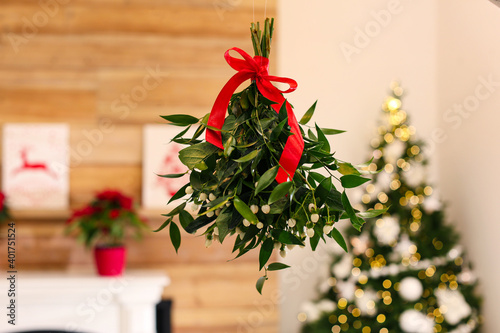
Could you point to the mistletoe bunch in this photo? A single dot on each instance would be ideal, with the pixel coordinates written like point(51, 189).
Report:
point(235, 190)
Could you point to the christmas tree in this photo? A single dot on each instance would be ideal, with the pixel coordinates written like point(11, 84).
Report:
point(405, 271)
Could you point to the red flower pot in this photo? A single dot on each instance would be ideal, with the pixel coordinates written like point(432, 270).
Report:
point(110, 261)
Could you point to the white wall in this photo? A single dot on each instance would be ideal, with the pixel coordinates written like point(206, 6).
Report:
point(469, 157)
point(351, 89)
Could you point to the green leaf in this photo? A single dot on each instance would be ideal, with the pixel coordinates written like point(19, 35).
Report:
point(266, 249)
point(277, 130)
point(339, 239)
point(324, 139)
point(175, 236)
point(317, 176)
point(350, 181)
point(276, 266)
point(347, 169)
point(248, 157)
point(371, 213)
point(244, 210)
point(283, 113)
point(266, 179)
point(286, 238)
point(356, 222)
point(176, 210)
point(260, 284)
point(310, 135)
point(181, 119)
point(222, 222)
point(185, 218)
point(184, 131)
point(198, 223)
point(279, 192)
point(216, 204)
point(163, 225)
point(329, 131)
point(195, 154)
point(179, 194)
point(172, 175)
point(308, 115)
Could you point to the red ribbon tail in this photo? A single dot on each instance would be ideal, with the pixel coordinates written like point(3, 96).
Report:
point(218, 113)
point(292, 152)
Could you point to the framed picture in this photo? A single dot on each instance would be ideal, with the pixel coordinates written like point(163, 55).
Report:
point(35, 166)
point(161, 157)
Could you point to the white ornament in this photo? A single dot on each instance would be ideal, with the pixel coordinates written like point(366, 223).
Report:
point(462, 329)
point(432, 203)
point(383, 183)
point(456, 306)
point(346, 289)
point(326, 306)
point(394, 151)
point(410, 289)
point(413, 321)
point(467, 277)
point(342, 269)
point(415, 176)
point(366, 303)
point(403, 246)
point(311, 310)
point(387, 232)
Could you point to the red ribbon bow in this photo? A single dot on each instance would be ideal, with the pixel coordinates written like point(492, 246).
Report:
point(256, 68)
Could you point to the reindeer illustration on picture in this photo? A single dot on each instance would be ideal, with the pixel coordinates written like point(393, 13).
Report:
point(28, 166)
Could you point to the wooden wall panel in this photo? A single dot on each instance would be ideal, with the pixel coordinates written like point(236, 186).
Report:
point(77, 68)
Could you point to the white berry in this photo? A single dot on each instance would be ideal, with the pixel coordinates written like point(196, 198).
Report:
point(216, 231)
point(260, 225)
point(290, 246)
point(254, 209)
point(246, 223)
point(327, 229)
point(217, 212)
point(283, 254)
point(189, 190)
point(266, 209)
point(311, 207)
point(291, 223)
point(314, 218)
point(212, 197)
point(210, 213)
point(194, 207)
point(238, 231)
point(203, 196)
point(310, 233)
point(208, 242)
point(277, 245)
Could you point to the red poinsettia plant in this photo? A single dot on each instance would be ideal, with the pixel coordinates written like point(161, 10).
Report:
point(106, 220)
point(4, 209)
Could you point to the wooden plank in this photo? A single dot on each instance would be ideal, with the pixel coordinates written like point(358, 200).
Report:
point(85, 181)
point(110, 143)
point(258, 4)
point(88, 52)
point(35, 78)
point(46, 105)
point(224, 18)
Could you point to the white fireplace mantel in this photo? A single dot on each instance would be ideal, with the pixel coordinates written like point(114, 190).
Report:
point(84, 302)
